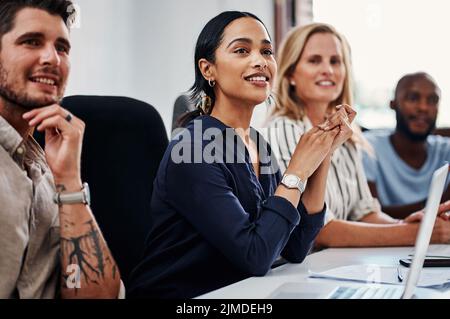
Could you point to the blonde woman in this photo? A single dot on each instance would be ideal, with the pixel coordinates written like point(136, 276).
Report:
point(314, 79)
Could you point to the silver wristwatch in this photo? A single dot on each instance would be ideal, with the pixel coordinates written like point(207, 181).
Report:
point(81, 197)
point(293, 182)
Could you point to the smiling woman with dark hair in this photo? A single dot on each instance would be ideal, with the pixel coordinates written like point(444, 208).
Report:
point(219, 212)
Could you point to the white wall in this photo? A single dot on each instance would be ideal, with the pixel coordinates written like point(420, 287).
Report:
point(390, 39)
point(145, 48)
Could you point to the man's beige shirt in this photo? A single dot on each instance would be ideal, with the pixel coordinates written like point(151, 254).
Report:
point(29, 220)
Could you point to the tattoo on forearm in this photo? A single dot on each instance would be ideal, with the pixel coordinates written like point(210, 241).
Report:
point(98, 251)
point(87, 252)
point(78, 255)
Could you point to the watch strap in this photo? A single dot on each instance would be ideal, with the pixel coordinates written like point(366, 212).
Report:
point(81, 197)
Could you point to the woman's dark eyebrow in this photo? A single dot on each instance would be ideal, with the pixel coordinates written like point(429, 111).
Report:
point(247, 40)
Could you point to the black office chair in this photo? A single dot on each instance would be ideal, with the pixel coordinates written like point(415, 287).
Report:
point(124, 142)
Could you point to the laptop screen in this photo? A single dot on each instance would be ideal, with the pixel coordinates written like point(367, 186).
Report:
point(426, 229)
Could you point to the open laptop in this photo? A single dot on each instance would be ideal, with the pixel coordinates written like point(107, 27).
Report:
point(367, 291)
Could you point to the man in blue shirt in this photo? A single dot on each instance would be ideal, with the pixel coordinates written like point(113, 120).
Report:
point(400, 170)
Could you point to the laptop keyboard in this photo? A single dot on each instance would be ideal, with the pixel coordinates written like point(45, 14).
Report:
point(367, 293)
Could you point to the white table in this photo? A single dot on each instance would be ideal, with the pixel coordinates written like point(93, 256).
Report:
point(263, 287)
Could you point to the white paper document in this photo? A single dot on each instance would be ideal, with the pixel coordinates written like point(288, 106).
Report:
point(436, 277)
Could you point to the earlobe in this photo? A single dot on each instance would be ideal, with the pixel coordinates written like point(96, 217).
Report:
point(393, 105)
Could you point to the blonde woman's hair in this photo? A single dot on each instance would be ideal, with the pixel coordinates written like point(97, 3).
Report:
point(287, 103)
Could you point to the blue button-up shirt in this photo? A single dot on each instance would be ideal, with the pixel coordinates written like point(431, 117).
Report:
point(214, 222)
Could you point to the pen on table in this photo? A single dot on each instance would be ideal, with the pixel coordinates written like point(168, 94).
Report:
point(399, 274)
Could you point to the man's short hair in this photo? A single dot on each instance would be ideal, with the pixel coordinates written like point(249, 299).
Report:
point(10, 8)
point(408, 78)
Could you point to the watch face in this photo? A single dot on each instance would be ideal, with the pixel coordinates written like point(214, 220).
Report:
point(291, 180)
